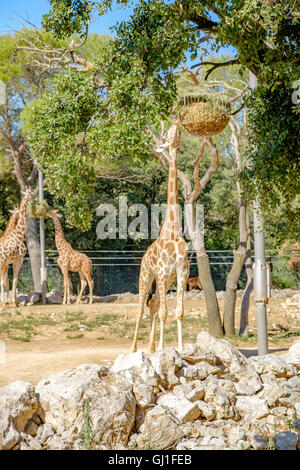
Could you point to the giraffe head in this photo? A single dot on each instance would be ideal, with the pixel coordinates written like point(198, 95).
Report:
point(27, 194)
point(53, 213)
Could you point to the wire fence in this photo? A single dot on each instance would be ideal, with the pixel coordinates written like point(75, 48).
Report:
point(117, 271)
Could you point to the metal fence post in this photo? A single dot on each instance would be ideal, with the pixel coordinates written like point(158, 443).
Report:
point(259, 268)
point(42, 243)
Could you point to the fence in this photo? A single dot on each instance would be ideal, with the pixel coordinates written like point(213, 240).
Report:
point(117, 271)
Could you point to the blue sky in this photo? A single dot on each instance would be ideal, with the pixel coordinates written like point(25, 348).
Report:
point(33, 10)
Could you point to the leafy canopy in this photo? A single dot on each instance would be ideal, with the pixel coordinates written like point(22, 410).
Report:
point(139, 69)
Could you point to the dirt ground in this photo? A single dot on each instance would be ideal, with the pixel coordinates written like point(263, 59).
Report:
point(40, 340)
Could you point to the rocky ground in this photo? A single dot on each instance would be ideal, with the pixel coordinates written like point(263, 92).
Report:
point(210, 396)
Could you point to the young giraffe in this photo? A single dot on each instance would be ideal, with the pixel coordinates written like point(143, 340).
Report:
point(193, 281)
point(71, 260)
point(9, 227)
point(13, 249)
point(165, 258)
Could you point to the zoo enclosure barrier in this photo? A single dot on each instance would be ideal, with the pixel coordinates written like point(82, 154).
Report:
point(117, 271)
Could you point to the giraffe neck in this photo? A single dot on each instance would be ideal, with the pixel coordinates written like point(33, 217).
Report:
point(60, 240)
point(19, 230)
point(10, 225)
point(172, 226)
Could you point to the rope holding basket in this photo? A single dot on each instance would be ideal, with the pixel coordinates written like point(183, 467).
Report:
point(204, 115)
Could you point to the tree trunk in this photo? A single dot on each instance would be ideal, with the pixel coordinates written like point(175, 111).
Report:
point(235, 272)
point(244, 320)
point(33, 246)
point(213, 313)
point(231, 288)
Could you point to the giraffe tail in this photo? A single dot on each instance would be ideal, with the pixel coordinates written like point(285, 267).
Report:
point(151, 293)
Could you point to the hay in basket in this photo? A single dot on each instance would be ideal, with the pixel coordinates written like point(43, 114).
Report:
point(204, 115)
point(37, 208)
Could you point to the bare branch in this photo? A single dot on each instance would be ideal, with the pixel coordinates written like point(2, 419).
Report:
point(216, 65)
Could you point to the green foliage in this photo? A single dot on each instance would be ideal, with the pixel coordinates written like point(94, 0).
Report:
point(158, 38)
point(274, 119)
point(54, 125)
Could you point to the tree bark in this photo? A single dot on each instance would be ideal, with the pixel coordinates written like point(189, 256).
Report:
point(33, 246)
point(244, 319)
point(215, 327)
point(239, 255)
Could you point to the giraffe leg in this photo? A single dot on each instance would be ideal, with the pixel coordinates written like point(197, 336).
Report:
point(88, 275)
point(2, 286)
point(16, 269)
point(162, 312)
point(154, 306)
point(83, 285)
point(66, 286)
point(145, 282)
point(182, 277)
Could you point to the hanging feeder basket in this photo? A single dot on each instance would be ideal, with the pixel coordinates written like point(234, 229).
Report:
point(204, 115)
point(37, 208)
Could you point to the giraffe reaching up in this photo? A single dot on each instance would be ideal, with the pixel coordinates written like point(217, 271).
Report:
point(12, 221)
point(13, 249)
point(71, 260)
point(165, 259)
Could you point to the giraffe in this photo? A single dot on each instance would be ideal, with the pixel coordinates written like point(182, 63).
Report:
point(9, 227)
point(165, 259)
point(13, 249)
point(71, 260)
point(193, 281)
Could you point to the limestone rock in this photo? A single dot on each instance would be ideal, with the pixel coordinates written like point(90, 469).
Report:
point(33, 298)
point(167, 364)
point(54, 297)
point(200, 370)
point(207, 410)
point(235, 361)
point(193, 391)
point(251, 407)
point(194, 353)
point(272, 363)
point(182, 408)
point(68, 397)
point(9, 436)
point(31, 428)
point(44, 432)
point(272, 394)
point(19, 399)
point(136, 367)
point(293, 355)
point(159, 431)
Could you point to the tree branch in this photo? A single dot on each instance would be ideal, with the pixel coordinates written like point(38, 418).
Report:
point(216, 65)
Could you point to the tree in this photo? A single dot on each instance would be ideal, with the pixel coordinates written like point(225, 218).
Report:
point(135, 79)
point(159, 35)
point(23, 81)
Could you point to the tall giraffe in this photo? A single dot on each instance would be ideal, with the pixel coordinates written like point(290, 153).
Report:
point(165, 258)
point(12, 221)
point(13, 249)
point(71, 260)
